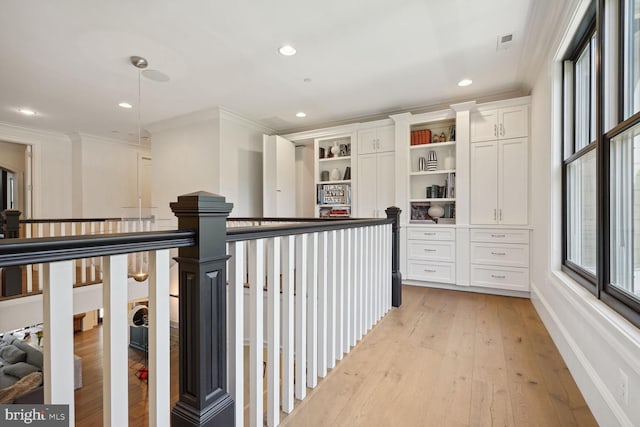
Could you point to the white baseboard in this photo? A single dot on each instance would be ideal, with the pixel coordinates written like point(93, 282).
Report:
point(603, 404)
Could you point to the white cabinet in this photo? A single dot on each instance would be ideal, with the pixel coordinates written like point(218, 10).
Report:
point(499, 182)
point(431, 254)
point(279, 178)
point(376, 184)
point(500, 259)
point(502, 123)
point(376, 140)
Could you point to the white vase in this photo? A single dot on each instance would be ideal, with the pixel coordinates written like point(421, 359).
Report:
point(449, 161)
point(335, 150)
point(436, 211)
point(335, 173)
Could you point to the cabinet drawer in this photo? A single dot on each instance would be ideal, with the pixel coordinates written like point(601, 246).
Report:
point(495, 254)
point(432, 271)
point(516, 279)
point(416, 233)
point(437, 250)
point(499, 235)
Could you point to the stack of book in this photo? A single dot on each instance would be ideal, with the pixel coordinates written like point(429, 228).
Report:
point(419, 137)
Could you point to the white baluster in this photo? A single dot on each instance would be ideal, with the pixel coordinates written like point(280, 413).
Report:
point(273, 332)
point(115, 400)
point(83, 261)
point(323, 282)
point(331, 302)
point(236, 328)
point(378, 272)
point(312, 312)
point(349, 286)
point(159, 339)
point(301, 314)
point(92, 261)
point(340, 285)
point(29, 268)
point(288, 271)
point(362, 301)
point(38, 281)
point(57, 292)
point(256, 334)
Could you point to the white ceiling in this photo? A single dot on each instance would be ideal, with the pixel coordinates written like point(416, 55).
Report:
point(69, 59)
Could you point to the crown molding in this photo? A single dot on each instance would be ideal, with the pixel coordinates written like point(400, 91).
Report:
point(104, 140)
point(24, 135)
point(234, 117)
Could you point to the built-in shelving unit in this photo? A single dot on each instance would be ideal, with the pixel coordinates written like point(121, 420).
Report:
point(432, 171)
point(333, 176)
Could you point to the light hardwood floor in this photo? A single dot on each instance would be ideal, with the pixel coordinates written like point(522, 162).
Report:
point(443, 359)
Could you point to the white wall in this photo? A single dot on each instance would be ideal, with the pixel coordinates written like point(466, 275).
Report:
point(186, 158)
point(109, 177)
point(241, 164)
point(305, 182)
point(595, 342)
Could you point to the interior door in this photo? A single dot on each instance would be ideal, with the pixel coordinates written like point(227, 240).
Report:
point(279, 177)
point(484, 182)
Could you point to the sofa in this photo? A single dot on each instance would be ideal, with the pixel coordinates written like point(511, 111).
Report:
point(20, 372)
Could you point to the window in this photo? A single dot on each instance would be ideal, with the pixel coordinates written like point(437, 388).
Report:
point(601, 171)
point(580, 167)
point(631, 58)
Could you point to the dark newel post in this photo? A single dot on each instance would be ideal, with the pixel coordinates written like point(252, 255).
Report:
point(11, 276)
point(396, 276)
point(203, 400)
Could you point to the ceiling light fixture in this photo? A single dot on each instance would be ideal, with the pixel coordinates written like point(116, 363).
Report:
point(465, 82)
point(287, 50)
point(125, 105)
point(26, 112)
point(301, 114)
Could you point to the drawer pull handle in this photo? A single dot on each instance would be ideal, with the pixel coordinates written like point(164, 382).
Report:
point(498, 253)
point(496, 276)
point(498, 235)
point(429, 234)
point(429, 250)
point(429, 271)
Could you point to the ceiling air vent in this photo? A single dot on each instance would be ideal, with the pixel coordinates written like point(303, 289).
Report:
point(505, 41)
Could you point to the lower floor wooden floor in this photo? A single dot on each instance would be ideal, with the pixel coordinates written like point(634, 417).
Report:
point(443, 359)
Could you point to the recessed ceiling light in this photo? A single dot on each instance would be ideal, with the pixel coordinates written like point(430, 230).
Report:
point(301, 114)
point(464, 82)
point(125, 105)
point(26, 112)
point(287, 50)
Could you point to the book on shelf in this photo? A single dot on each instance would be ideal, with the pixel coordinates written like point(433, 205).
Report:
point(420, 137)
point(335, 212)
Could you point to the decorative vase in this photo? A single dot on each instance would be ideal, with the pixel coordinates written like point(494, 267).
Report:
point(324, 176)
point(432, 161)
point(335, 174)
point(449, 161)
point(436, 211)
point(335, 150)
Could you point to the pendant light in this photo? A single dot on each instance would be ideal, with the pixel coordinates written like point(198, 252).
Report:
point(139, 269)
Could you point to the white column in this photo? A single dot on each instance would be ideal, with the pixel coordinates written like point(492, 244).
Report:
point(273, 332)
point(301, 315)
point(288, 271)
point(236, 328)
point(256, 334)
point(323, 282)
point(57, 299)
point(312, 311)
point(159, 339)
point(115, 364)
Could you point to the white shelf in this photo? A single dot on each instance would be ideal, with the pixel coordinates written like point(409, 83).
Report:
point(433, 145)
point(338, 205)
point(438, 172)
point(343, 181)
point(334, 159)
point(440, 199)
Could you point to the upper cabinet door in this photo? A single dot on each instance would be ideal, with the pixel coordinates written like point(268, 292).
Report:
point(484, 125)
point(513, 122)
point(386, 136)
point(367, 141)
